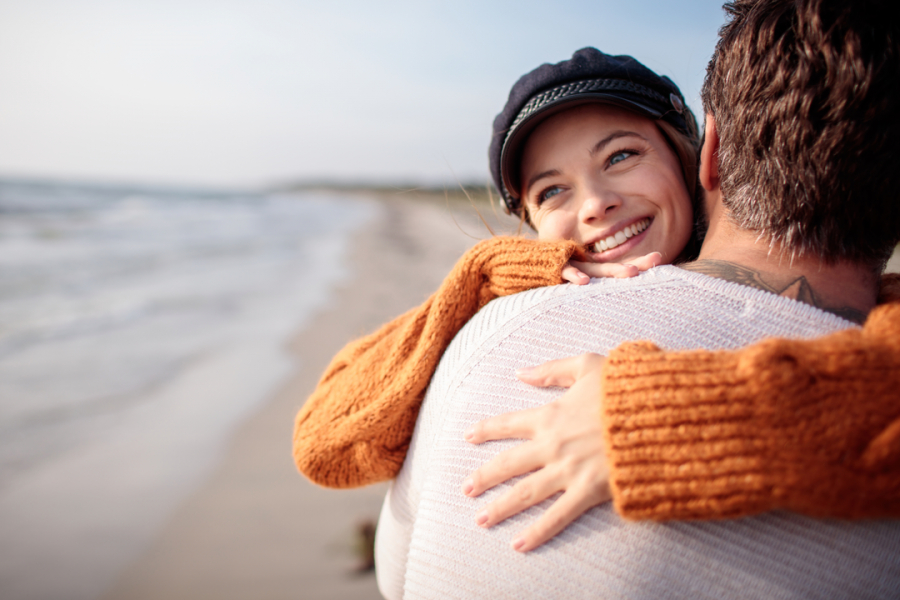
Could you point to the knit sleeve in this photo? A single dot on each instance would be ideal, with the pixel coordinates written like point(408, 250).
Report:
point(356, 426)
point(811, 426)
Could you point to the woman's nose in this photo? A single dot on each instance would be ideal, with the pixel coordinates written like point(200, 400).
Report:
point(598, 204)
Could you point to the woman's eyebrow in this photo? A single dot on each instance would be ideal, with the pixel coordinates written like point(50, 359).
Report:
point(614, 135)
point(531, 182)
point(596, 149)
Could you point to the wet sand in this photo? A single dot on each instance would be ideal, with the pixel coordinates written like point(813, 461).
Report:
point(256, 528)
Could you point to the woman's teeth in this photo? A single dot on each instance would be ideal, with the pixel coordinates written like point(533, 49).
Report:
point(620, 236)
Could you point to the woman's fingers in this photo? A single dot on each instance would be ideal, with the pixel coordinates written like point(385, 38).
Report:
point(562, 372)
point(568, 507)
point(571, 274)
point(648, 261)
point(592, 269)
point(565, 451)
point(578, 272)
point(518, 425)
point(506, 465)
point(524, 494)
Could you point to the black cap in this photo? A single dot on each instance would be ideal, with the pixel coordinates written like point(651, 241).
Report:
point(589, 76)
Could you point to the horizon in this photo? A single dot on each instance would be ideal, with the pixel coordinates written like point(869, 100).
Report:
point(246, 95)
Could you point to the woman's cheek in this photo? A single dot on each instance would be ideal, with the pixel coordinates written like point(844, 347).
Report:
point(552, 226)
point(681, 226)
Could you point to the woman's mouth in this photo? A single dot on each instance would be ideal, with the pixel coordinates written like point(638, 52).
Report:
point(621, 236)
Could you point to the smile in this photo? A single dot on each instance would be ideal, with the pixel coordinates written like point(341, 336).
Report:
point(620, 237)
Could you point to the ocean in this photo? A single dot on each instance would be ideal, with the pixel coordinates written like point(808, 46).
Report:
point(138, 327)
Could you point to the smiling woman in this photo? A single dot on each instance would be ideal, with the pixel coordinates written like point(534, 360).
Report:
point(607, 179)
point(607, 148)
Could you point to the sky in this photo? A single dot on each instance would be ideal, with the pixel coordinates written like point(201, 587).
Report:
point(257, 93)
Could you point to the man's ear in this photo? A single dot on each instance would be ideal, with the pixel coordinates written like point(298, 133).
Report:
point(709, 156)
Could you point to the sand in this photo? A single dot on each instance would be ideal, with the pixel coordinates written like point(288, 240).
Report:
point(256, 528)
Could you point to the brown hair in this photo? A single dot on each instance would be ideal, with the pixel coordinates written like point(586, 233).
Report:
point(806, 98)
point(687, 151)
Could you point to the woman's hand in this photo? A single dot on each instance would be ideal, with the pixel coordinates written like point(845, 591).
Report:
point(565, 452)
point(580, 272)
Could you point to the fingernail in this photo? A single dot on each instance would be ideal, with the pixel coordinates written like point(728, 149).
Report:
point(518, 543)
point(469, 434)
point(524, 371)
point(468, 486)
point(481, 518)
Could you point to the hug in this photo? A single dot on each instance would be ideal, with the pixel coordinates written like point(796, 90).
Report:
point(735, 287)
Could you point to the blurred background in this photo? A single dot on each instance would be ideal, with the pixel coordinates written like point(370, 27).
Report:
point(200, 202)
point(259, 93)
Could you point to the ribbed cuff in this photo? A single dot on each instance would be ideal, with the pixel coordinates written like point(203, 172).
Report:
point(519, 264)
point(680, 445)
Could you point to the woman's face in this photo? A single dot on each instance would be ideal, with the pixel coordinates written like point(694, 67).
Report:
point(606, 178)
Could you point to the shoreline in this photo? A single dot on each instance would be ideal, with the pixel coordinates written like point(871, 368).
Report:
point(140, 333)
point(255, 527)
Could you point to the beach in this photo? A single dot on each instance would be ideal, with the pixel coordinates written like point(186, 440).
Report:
point(155, 345)
point(255, 528)
point(153, 459)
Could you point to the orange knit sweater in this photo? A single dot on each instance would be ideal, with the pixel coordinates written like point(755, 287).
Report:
point(356, 426)
point(812, 426)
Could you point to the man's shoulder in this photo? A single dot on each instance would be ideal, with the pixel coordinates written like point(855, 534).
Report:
point(500, 318)
point(667, 285)
point(514, 306)
point(664, 304)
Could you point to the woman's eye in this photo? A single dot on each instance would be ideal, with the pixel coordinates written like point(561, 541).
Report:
point(548, 193)
point(620, 156)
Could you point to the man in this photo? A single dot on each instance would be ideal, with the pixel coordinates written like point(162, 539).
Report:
point(801, 138)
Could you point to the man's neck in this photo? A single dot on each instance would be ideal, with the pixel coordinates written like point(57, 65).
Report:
point(846, 289)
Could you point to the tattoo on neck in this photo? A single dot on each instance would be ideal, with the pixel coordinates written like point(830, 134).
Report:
point(797, 288)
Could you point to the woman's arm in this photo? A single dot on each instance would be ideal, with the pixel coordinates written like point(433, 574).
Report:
point(356, 426)
point(810, 426)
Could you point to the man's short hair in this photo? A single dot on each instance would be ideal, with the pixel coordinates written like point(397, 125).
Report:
point(806, 97)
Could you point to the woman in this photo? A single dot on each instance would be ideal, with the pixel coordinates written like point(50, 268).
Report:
point(843, 387)
point(632, 139)
point(356, 427)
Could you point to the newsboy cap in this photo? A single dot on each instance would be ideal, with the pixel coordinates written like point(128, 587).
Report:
point(589, 76)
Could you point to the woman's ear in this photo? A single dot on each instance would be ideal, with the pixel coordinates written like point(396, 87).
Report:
point(709, 156)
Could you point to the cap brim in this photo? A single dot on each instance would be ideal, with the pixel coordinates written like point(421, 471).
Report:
point(512, 147)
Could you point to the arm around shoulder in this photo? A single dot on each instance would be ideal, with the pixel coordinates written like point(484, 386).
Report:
point(356, 426)
point(811, 426)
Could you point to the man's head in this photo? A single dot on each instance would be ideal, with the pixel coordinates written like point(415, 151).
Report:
point(805, 95)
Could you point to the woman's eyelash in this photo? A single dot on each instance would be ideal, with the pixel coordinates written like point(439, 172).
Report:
point(627, 151)
point(548, 193)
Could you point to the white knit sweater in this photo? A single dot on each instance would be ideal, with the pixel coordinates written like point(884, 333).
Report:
point(428, 545)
